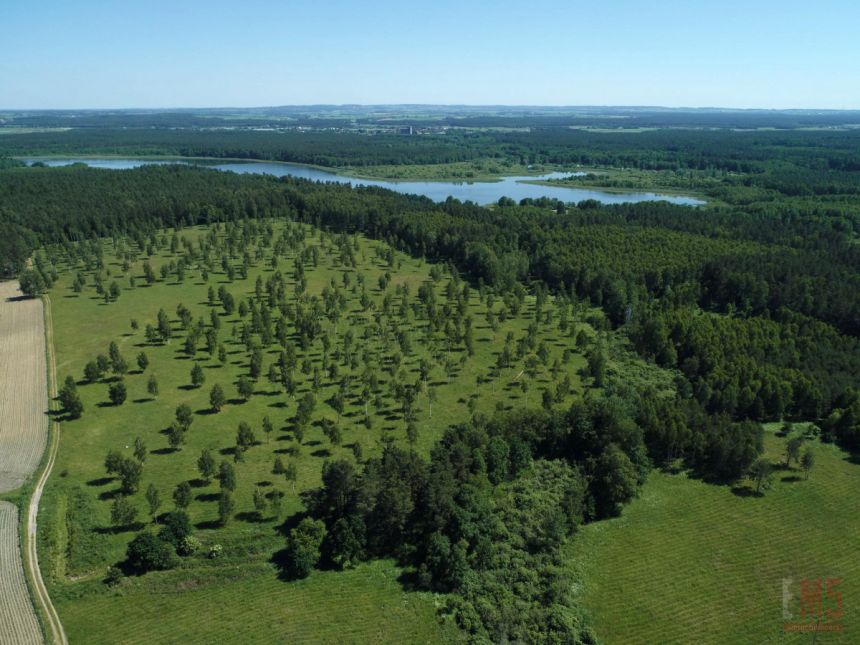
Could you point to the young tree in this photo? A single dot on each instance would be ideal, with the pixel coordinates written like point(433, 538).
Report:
point(206, 465)
point(92, 373)
point(807, 462)
point(303, 547)
point(217, 399)
point(268, 427)
point(122, 512)
point(260, 502)
point(245, 436)
point(175, 435)
point(792, 450)
point(153, 499)
point(182, 495)
point(275, 498)
point(197, 375)
point(117, 393)
point(278, 467)
point(139, 449)
point(70, 399)
point(184, 415)
point(152, 386)
point(227, 476)
point(142, 361)
point(762, 474)
point(129, 472)
point(245, 387)
point(291, 474)
point(225, 507)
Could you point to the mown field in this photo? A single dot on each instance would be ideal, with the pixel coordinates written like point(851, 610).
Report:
point(241, 596)
point(692, 562)
point(23, 388)
point(18, 623)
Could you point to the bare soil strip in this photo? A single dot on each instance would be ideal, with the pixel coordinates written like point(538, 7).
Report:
point(18, 623)
point(23, 387)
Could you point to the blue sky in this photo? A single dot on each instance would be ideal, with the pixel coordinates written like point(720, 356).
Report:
point(128, 53)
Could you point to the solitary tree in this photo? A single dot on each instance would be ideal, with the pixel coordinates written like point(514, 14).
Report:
point(117, 393)
point(227, 476)
point(807, 461)
point(152, 386)
point(122, 512)
point(260, 502)
point(244, 436)
point(153, 499)
point(175, 435)
point(142, 361)
point(182, 495)
point(206, 465)
point(197, 375)
point(291, 474)
point(268, 428)
point(139, 449)
point(184, 415)
point(792, 450)
point(225, 507)
point(762, 474)
point(217, 399)
point(245, 387)
point(70, 399)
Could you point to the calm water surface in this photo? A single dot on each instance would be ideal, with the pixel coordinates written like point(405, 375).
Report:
point(479, 192)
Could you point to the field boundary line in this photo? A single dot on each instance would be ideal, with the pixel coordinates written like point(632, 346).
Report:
point(31, 556)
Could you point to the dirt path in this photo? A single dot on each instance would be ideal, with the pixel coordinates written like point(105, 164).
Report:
point(54, 626)
point(26, 354)
point(23, 387)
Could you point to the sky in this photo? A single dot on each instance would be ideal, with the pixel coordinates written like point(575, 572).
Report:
point(193, 53)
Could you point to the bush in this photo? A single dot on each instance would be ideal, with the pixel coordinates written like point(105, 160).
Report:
point(146, 552)
point(303, 547)
point(177, 527)
point(189, 545)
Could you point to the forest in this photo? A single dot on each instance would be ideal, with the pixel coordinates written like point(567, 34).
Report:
point(749, 307)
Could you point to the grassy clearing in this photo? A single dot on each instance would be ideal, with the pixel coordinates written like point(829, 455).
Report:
point(693, 562)
point(477, 170)
point(240, 597)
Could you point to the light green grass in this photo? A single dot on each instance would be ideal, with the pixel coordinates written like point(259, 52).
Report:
point(689, 562)
point(239, 597)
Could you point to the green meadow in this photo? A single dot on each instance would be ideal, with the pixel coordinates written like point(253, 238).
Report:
point(242, 596)
point(693, 562)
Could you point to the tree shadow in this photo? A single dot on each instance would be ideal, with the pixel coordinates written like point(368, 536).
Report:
point(144, 400)
point(745, 491)
point(208, 524)
point(198, 483)
point(322, 452)
point(115, 530)
point(101, 481)
point(164, 451)
point(207, 497)
point(791, 478)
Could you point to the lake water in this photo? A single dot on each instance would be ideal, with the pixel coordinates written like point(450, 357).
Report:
point(480, 192)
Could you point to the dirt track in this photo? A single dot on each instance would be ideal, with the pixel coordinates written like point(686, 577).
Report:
point(23, 386)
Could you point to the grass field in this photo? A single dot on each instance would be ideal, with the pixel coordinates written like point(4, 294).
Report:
point(240, 597)
point(692, 562)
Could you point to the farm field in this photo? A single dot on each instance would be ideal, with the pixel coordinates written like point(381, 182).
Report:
point(691, 562)
point(23, 388)
point(370, 341)
point(18, 623)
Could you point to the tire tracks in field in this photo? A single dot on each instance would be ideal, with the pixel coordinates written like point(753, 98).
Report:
point(56, 634)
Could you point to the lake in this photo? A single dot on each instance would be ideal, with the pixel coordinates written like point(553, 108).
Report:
point(479, 192)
